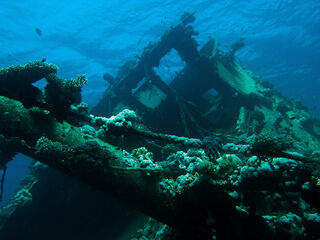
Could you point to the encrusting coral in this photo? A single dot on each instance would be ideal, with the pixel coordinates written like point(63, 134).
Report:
point(61, 94)
point(16, 81)
point(209, 162)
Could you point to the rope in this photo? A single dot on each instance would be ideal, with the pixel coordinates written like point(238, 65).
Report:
point(4, 169)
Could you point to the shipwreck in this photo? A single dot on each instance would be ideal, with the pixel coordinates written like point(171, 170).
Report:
point(216, 153)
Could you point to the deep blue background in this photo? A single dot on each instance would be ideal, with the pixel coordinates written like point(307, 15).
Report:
point(93, 37)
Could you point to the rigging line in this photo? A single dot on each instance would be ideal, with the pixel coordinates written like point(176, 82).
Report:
point(4, 169)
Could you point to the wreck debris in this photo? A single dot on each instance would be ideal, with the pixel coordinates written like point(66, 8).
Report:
point(21, 199)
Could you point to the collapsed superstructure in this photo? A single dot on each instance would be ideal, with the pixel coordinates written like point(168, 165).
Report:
point(247, 166)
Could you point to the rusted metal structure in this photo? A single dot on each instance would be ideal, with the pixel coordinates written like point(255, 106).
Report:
point(186, 106)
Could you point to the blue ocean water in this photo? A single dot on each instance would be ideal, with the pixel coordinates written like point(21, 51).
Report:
point(282, 37)
point(93, 37)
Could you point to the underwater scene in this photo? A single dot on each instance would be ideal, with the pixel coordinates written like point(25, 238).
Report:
point(159, 120)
